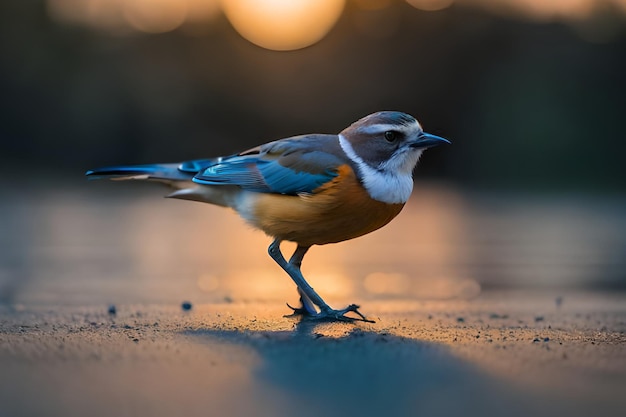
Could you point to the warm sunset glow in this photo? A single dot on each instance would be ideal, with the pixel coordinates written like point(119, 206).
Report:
point(208, 283)
point(430, 5)
point(381, 283)
point(283, 24)
point(260, 285)
point(332, 283)
point(444, 288)
point(292, 24)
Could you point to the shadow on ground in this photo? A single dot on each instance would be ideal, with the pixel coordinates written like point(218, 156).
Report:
point(339, 369)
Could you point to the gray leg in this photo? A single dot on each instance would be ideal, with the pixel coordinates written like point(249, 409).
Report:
point(308, 306)
point(293, 269)
point(308, 294)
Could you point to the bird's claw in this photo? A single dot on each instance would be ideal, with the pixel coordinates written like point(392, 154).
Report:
point(330, 314)
point(298, 311)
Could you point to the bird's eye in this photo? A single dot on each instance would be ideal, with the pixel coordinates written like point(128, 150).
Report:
point(390, 136)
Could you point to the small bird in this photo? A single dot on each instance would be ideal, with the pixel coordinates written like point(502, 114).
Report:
point(311, 189)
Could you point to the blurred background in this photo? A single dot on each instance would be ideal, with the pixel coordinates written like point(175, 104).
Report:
point(531, 93)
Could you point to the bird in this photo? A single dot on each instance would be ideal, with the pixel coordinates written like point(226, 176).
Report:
point(312, 189)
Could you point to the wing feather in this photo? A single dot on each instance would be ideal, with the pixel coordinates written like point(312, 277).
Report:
point(288, 166)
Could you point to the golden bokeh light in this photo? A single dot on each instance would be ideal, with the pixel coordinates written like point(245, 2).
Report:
point(283, 25)
point(430, 5)
point(293, 24)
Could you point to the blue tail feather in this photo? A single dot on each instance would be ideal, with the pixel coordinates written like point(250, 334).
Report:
point(167, 172)
point(184, 171)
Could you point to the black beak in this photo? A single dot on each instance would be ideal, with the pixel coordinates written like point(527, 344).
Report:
point(426, 140)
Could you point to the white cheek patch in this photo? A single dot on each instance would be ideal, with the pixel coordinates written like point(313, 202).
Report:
point(402, 164)
point(388, 184)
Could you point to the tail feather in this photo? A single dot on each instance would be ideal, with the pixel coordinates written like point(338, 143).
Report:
point(176, 175)
point(158, 172)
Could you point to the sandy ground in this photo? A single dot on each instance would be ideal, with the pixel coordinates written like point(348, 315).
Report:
point(501, 354)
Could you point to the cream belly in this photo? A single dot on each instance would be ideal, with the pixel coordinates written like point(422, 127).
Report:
point(337, 211)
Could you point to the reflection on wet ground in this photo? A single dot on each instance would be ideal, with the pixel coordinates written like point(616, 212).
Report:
point(103, 243)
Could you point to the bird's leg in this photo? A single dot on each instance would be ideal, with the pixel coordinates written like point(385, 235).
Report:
point(293, 269)
point(309, 297)
point(308, 307)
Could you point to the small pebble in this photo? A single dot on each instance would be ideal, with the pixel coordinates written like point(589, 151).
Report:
point(460, 319)
point(112, 310)
point(538, 318)
point(186, 305)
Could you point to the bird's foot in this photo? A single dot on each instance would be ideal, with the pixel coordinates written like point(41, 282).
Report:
point(330, 314)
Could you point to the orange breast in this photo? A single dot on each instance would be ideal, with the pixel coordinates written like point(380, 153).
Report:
point(339, 210)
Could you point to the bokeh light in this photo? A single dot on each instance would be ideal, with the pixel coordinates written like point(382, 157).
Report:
point(99, 14)
point(283, 24)
point(559, 10)
point(125, 16)
point(155, 16)
point(430, 5)
point(293, 24)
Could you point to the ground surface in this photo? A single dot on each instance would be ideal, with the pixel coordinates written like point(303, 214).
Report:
point(503, 353)
point(446, 342)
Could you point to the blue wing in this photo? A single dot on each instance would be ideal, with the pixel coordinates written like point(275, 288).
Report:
point(288, 166)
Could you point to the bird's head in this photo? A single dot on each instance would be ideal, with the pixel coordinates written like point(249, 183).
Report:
point(390, 142)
